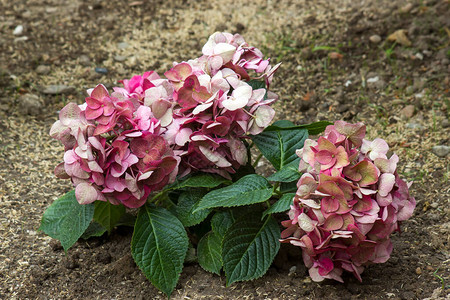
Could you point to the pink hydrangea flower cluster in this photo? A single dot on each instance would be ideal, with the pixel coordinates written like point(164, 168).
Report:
point(121, 146)
point(114, 150)
point(210, 106)
point(349, 200)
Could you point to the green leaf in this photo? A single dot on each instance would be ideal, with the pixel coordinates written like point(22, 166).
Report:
point(66, 220)
point(127, 220)
point(313, 128)
point(279, 146)
point(209, 251)
point(201, 180)
point(159, 245)
point(249, 189)
point(288, 187)
point(288, 173)
point(283, 204)
point(257, 84)
point(221, 221)
point(249, 247)
point(187, 202)
point(94, 229)
point(107, 214)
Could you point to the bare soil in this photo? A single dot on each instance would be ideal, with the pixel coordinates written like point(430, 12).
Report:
point(331, 70)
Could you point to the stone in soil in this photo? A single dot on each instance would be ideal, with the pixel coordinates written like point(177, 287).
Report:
point(43, 69)
point(122, 45)
point(399, 36)
point(408, 111)
point(441, 150)
point(58, 89)
point(18, 30)
point(120, 58)
point(84, 60)
point(101, 70)
point(376, 39)
point(29, 104)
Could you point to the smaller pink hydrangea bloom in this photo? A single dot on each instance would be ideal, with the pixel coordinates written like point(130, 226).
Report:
point(343, 220)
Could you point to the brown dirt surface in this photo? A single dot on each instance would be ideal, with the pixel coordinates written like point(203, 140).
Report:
point(334, 67)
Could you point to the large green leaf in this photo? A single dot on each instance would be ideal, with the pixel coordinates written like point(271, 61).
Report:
point(288, 173)
point(283, 204)
point(209, 252)
point(279, 145)
point(249, 189)
point(313, 128)
point(249, 247)
point(94, 229)
point(159, 245)
point(66, 220)
point(187, 202)
point(201, 180)
point(221, 221)
point(107, 214)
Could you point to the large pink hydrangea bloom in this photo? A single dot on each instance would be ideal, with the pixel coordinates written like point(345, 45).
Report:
point(349, 200)
point(121, 146)
point(114, 149)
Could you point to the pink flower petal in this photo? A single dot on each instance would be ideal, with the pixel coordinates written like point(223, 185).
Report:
point(70, 112)
point(385, 184)
point(99, 92)
point(305, 222)
point(333, 222)
point(85, 193)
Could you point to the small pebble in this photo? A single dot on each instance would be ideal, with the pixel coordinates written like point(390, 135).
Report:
point(414, 126)
point(409, 90)
point(418, 271)
point(18, 30)
point(373, 79)
point(408, 111)
point(101, 70)
point(122, 45)
point(84, 60)
point(21, 39)
point(43, 69)
point(29, 104)
point(445, 123)
point(441, 150)
point(375, 39)
point(407, 8)
point(58, 89)
point(292, 271)
point(434, 205)
point(120, 58)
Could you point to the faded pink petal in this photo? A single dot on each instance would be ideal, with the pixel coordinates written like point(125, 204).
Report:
point(385, 184)
point(85, 193)
point(305, 222)
point(215, 157)
point(333, 222)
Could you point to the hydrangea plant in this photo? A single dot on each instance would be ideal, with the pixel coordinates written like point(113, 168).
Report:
point(348, 202)
point(171, 157)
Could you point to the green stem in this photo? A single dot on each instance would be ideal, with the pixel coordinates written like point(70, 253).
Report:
point(257, 160)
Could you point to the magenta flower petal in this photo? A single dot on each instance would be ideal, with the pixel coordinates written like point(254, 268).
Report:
point(99, 92)
point(325, 265)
